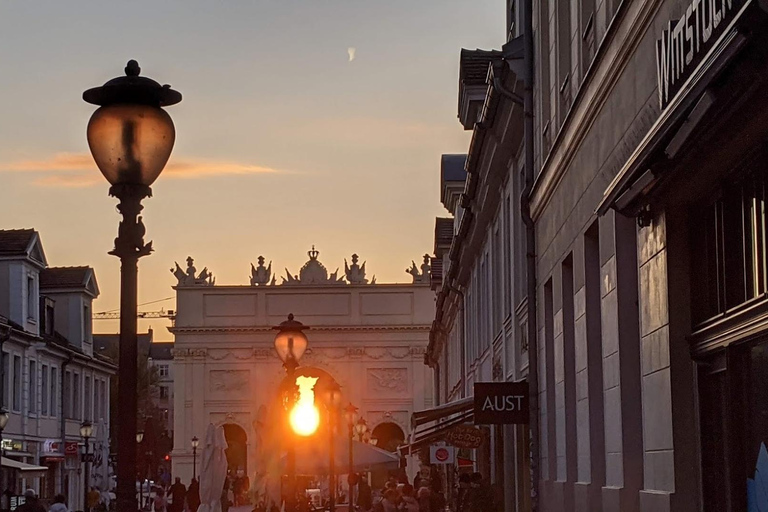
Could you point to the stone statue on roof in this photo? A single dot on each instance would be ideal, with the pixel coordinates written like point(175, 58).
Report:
point(313, 272)
point(422, 276)
point(260, 275)
point(188, 278)
point(355, 273)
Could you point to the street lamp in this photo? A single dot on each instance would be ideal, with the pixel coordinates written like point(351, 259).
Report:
point(351, 415)
point(4, 417)
point(86, 431)
point(290, 345)
point(332, 399)
point(130, 137)
point(139, 439)
point(195, 443)
point(361, 427)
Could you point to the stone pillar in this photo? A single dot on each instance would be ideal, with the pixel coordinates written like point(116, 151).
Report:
point(671, 473)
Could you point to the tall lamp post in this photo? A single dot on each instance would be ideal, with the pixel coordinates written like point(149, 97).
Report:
point(290, 345)
point(332, 399)
point(361, 427)
point(351, 415)
point(139, 439)
point(195, 443)
point(86, 431)
point(130, 137)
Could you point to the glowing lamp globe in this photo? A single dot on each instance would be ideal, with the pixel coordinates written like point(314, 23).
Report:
point(290, 342)
point(86, 430)
point(304, 419)
point(130, 136)
point(361, 427)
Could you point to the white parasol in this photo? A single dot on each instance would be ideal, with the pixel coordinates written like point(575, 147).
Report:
point(213, 470)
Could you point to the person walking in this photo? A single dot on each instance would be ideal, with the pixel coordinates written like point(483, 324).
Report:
point(408, 503)
point(193, 495)
point(160, 502)
point(31, 503)
point(364, 495)
point(59, 504)
point(178, 492)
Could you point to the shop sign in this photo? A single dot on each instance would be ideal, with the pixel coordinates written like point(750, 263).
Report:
point(51, 447)
point(16, 502)
point(465, 436)
point(70, 449)
point(11, 445)
point(442, 454)
point(501, 403)
point(686, 41)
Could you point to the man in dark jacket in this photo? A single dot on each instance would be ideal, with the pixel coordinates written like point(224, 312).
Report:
point(178, 493)
point(31, 503)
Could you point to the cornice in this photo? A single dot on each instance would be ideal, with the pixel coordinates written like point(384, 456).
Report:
point(621, 41)
point(324, 328)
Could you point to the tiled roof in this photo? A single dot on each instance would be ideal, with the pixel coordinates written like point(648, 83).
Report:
point(161, 351)
point(63, 277)
point(107, 344)
point(443, 232)
point(14, 242)
point(452, 168)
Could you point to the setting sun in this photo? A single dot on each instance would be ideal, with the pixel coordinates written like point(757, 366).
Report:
point(305, 417)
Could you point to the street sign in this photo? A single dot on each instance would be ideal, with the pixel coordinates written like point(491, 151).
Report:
point(465, 436)
point(442, 454)
point(501, 403)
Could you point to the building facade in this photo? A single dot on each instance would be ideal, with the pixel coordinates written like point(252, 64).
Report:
point(161, 358)
point(371, 338)
point(51, 379)
point(647, 211)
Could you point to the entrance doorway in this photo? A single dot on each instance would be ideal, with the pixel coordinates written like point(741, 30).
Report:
point(237, 449)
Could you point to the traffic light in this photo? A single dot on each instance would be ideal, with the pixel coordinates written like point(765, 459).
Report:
point(167, 458)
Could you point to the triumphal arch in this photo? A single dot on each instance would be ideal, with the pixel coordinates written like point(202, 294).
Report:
point(371, 337)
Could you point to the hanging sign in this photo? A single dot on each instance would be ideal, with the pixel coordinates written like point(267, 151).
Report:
point(685, 42)
point(442, 454)
point(465, 436)
point(501, 403)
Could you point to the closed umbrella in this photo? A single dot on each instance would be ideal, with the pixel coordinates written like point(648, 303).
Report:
point(213, 470)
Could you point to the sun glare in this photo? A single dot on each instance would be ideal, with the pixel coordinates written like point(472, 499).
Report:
point(305, 418)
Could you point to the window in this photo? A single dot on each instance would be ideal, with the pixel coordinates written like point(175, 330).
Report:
point(87, 410)
point(17, 383)
point(164, 392)
point(86, 323)
point(96, 403)
point(76, 407)
point(7, 378)
point(31, 299)
point(54, 392)
point(49, 319)
point(497, 283)
point(67, 396)
point(162, 370)
point(507, 241)
point(32, 387)
point(44, 391)
point(729, 252)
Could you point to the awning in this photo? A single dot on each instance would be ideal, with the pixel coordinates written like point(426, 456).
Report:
point(312, 457)
point(26, 469)
point(442, 419)
point(639, 174)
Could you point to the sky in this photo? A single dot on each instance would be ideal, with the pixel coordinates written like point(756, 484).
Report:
point(302, 122)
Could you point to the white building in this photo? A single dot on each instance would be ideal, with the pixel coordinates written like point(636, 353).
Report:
point(161, 358)
point(371, 338)
point(51, 380)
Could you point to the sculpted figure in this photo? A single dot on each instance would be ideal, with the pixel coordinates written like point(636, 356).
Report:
point(422, 276)
point(355, 273)
point(187, 278)
point(260, 275)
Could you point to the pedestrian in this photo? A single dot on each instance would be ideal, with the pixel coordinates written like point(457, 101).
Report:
point(408, 503)
point(31, 503)
point(178, 492)
point(193, 495)
point(364, 497)
point(94, 497)
point(389, 501)
point(423, 498)
point(59, 504)
point(463, 494)
point(160, 503)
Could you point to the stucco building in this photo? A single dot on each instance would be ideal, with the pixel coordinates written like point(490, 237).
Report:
point(371, 338)
point(52, 380)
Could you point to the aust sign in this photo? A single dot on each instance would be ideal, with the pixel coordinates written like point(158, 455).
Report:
point(501, 403)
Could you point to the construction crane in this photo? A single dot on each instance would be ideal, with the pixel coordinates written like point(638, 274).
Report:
point(115, 315)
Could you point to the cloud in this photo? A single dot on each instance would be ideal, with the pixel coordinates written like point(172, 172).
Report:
point(79, 170)
point(351, 52)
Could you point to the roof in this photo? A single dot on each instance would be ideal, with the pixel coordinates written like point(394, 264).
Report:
point(452, 168)
point(443, 232)
point(108, 344)
point(161, 350)
point(473, 65)
point(15, 242)
point(64, 277)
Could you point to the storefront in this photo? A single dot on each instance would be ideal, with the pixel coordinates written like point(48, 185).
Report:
point(697, 185)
